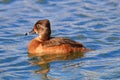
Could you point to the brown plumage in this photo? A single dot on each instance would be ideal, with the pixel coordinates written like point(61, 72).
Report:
point(44, 44)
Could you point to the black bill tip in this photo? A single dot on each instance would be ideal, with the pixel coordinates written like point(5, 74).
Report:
point(26, 34)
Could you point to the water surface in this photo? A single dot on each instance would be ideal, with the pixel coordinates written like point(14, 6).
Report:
point(95, 23)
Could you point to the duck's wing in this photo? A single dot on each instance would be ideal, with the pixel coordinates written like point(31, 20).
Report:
point(56, 41)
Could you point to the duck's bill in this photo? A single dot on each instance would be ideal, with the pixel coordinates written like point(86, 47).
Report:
point(31, 32)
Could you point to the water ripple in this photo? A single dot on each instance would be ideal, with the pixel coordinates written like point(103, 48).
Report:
point(94, 23)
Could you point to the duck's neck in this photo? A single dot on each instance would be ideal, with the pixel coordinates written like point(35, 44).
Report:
point(44, 37)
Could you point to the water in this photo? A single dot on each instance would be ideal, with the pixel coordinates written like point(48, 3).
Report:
point(95, 23)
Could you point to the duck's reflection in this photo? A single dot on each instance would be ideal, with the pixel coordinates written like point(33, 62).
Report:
point(43, 61)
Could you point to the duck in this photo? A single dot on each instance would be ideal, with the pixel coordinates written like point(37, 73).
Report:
point(45, 44)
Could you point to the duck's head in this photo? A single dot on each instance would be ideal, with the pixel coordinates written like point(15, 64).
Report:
point(42, 27)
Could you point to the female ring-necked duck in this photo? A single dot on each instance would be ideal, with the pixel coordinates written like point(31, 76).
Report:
point(45, 44)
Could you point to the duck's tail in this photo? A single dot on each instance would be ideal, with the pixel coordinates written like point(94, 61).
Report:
point(87, 49)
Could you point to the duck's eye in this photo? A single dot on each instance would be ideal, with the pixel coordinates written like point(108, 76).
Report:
point(38, 26)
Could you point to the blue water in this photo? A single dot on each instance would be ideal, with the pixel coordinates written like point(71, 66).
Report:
point(95, 23)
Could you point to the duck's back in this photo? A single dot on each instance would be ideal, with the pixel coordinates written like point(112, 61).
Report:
point(62, 45)
point(57, 41)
